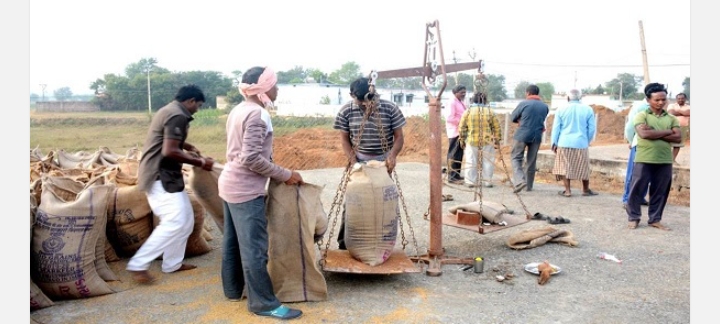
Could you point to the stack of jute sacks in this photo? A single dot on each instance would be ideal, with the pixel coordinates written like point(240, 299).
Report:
point(85, 211)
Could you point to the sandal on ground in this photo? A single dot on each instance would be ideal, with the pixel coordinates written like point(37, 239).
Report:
point(564, 193)
point(281, 312)
point(658, 225)
point(558, 220)
point(590, 193)
point(633, 224)
point(519, 187)
point(447, 197)
point(539, 216)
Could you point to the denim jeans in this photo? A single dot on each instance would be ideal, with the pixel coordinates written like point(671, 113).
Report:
point(245, 255)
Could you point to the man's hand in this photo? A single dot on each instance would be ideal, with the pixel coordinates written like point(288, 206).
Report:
point(390, 163)
point(190, 148)
point(208, 163)
point(554, 148)
point(295, 178)
point(461, 143)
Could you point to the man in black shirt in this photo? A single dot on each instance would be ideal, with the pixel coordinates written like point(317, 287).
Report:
point(160, 177)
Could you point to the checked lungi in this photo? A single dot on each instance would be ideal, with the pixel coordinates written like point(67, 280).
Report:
point(572, 164)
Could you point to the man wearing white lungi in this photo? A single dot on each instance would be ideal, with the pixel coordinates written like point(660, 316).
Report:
point(572, 131)
point(160, 177)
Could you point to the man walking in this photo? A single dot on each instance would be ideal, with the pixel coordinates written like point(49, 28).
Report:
point(573, 130)
point(160, 177)
point(530, 116)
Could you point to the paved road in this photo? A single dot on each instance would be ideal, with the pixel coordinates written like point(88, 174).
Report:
point(651, 286)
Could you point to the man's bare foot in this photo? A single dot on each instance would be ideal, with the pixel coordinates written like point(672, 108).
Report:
point(660, 226)
point(142, 276)
point(185, 266)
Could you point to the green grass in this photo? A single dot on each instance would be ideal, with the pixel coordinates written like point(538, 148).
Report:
point(121, 131)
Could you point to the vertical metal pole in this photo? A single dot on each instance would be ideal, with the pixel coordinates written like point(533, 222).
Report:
point(435, 179)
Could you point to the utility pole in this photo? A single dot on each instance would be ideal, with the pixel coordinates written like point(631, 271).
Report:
point(644, 53)
point(575, 82)
point(457, 80)
point(43, 85)
point(472, 55)
point(621, 83)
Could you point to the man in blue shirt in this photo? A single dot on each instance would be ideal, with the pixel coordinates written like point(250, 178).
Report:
point(530, 116)
point(573, 129)
point(632, 140)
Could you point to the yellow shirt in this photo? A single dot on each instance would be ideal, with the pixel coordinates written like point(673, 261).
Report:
point(477, 121)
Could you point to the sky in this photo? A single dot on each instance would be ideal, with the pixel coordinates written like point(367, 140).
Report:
point(568, 43)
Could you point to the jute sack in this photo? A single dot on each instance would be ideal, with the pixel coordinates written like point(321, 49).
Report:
point(535, 237)
point(67, 188)
point(196, 243)
point(38, 299)
point(491, 211)
point(64, 242)
point(204, 185)
point(295, 218)
point(371, 205)
point(78, 160)
point(130, 220)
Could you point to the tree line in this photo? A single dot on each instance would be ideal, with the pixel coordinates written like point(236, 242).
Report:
point(129, 91)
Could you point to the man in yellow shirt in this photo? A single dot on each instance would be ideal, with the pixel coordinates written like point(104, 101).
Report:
point(681, 110)
point(479, 130)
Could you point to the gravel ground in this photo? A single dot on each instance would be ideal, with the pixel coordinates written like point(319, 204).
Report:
point(652, 285)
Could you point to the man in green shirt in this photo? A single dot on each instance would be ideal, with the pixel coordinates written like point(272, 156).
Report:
point(655, 130)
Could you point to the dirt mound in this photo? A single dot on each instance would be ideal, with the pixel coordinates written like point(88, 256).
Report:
point(319, 148)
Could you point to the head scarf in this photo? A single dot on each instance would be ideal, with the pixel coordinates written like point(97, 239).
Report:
point(267, 80)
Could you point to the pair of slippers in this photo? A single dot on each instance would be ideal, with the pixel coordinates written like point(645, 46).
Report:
point(585, 193)
point(551, 219)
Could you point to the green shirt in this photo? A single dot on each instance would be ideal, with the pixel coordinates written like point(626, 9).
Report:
point(656, 151)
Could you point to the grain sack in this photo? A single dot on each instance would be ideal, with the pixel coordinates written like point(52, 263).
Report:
point(371, 205)
point(77, 160)
point(535, 237)
point(133, 153)
point(38, 299)
point(295, 217)
point(130, 220)
point(196, 243)
point(492, 212)
point(204, 185)
point(36, 155)
point(65, 240)
point(113, 174)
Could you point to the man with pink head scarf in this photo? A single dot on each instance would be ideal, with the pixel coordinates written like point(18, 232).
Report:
point(242, 187)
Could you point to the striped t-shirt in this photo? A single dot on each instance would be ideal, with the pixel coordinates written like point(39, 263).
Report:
point(350, 117)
